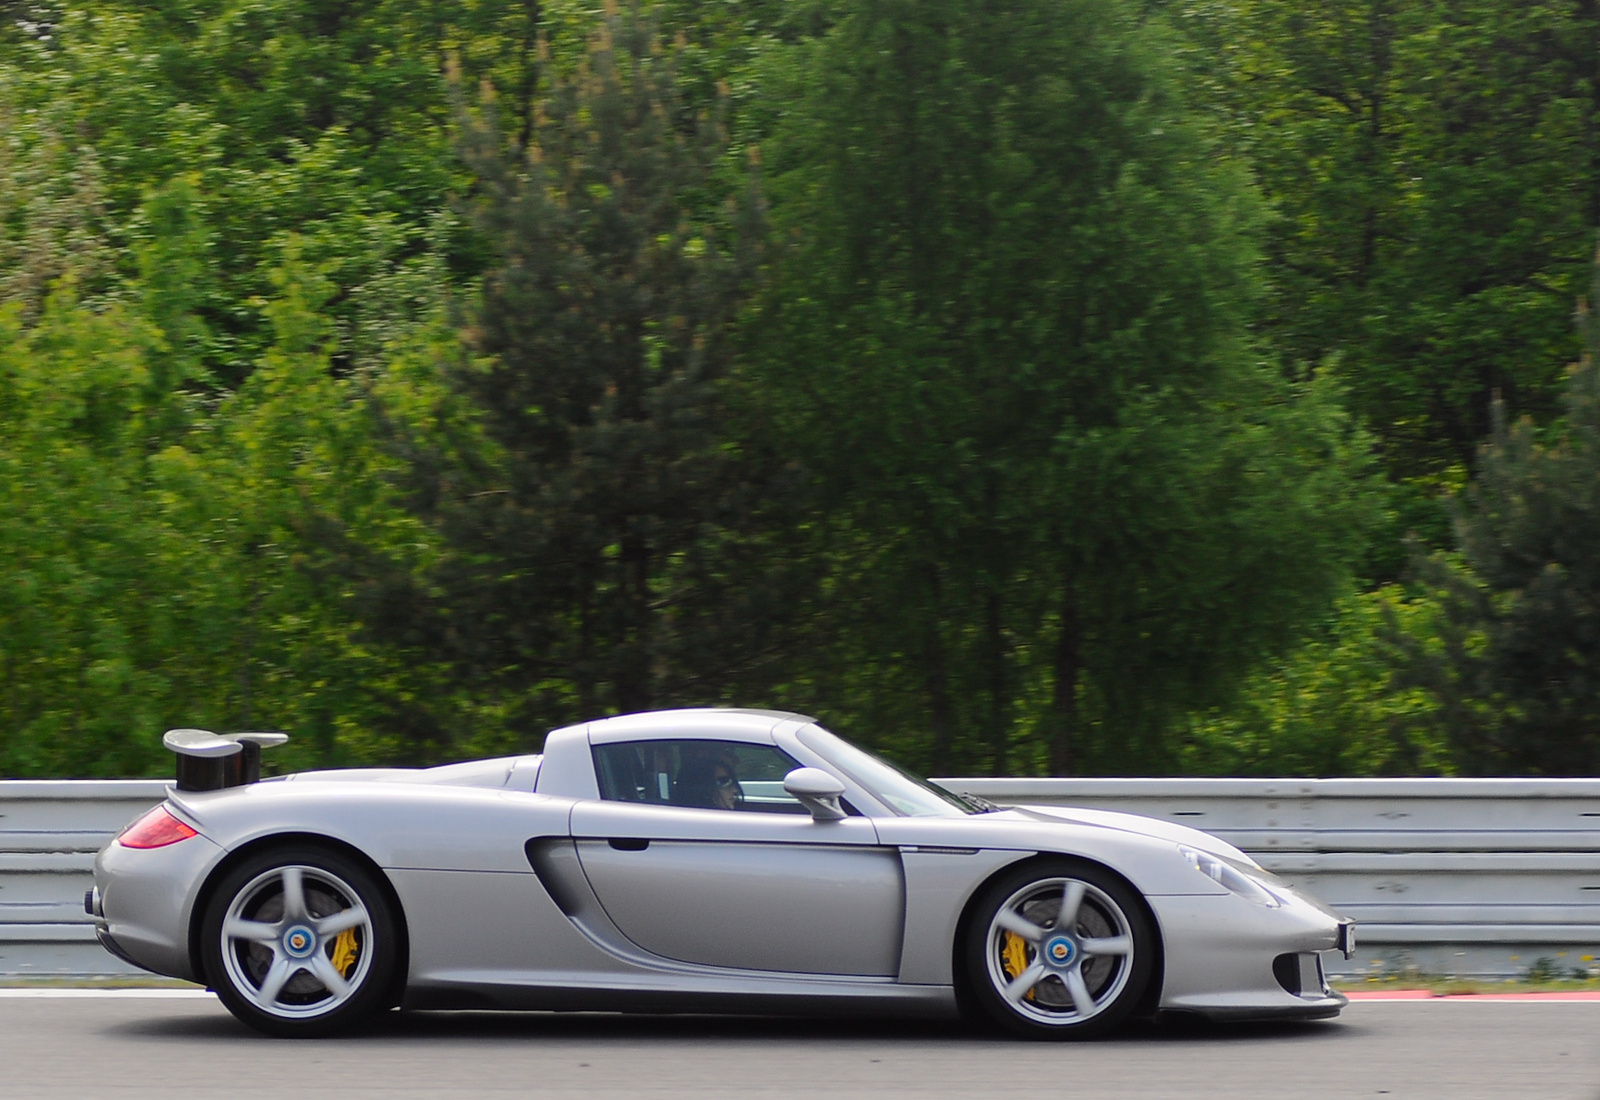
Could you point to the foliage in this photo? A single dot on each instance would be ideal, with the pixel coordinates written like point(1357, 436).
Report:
point(325, 121)
point(1030, 430)
point(1517, 675)
point(1332, 706)
point(241, 208)
point(1064, 497)
point(1432, 169)
point(582, 554)
point(51, 197)
point(157, 557)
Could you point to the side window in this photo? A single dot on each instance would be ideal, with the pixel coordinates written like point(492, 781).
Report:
point(708, 775)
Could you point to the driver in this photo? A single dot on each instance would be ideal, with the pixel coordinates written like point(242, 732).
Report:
point(710, 782)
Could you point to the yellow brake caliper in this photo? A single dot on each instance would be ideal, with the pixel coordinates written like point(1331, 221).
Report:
point(1015, 958)
point(344, 951)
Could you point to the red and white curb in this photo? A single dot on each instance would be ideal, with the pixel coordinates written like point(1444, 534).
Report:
point(1429, 995)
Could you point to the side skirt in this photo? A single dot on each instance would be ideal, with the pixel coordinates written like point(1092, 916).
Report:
point(780, 997)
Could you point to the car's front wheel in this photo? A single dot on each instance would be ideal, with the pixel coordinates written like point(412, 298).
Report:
point(300, 942)
point(1058, 949)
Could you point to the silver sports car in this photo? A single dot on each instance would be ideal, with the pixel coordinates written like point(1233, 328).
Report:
point(691, 860)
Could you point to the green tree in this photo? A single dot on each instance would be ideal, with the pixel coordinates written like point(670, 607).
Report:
point(326, 121)
point(1336, 705)
point(1434, 172)
point(170, 565)
point(579, 544)
point(73, 389)
point(1518, 675)
point(51, 209)
point(218, 190)
point(226, 227)
point(1064, 499)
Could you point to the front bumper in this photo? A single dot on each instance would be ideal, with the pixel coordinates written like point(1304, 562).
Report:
point(1228, 958)
point(1324, 1009)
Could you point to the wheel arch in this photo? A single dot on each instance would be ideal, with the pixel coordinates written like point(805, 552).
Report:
point(255, 847)
point(1149, 1001)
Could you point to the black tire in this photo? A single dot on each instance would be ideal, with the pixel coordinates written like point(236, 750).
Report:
point(1034, 979)
point(305, 969)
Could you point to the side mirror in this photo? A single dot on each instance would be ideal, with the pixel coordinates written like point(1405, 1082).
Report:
point(818, 791)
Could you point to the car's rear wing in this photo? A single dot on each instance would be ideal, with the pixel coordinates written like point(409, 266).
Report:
point(210, 761)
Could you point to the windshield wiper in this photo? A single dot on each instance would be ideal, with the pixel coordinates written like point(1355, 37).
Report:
point(971, 801)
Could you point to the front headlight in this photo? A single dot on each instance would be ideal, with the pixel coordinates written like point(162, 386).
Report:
point(1235, 878)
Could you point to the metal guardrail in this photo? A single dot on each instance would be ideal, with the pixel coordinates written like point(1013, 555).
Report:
point(1483, 877)
point(1448, 876)
point(50, 831)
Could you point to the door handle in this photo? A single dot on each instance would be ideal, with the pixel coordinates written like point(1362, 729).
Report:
point(629, 843)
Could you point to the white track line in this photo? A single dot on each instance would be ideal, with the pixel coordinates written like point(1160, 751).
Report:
point(125, 994)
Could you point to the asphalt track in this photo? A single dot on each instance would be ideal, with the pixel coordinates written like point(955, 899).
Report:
point(127, 1046)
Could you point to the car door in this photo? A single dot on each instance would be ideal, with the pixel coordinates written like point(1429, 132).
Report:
point(752, 882)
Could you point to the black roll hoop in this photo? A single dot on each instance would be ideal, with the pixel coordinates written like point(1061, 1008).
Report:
point(211, 761)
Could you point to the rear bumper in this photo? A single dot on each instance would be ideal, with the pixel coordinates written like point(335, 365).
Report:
point(145, 899)
point(102, 934)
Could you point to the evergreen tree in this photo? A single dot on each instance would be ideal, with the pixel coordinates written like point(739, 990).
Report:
point(1518, 671)
point(580, 546)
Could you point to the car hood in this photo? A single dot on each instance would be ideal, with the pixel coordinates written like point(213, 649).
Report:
point(1137, 824)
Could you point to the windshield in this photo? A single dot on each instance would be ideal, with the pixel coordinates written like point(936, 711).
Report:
point(900, 791)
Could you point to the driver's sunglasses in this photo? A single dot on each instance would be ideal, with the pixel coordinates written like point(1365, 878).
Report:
point(723, 781)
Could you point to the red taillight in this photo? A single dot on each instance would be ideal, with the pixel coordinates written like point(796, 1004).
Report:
point(156, 829)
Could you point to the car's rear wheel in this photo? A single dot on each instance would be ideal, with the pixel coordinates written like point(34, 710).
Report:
point(1058, 949)
point(300, 942)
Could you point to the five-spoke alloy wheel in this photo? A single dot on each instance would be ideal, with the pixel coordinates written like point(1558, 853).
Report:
point(299, 942)
point(1058, 949)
